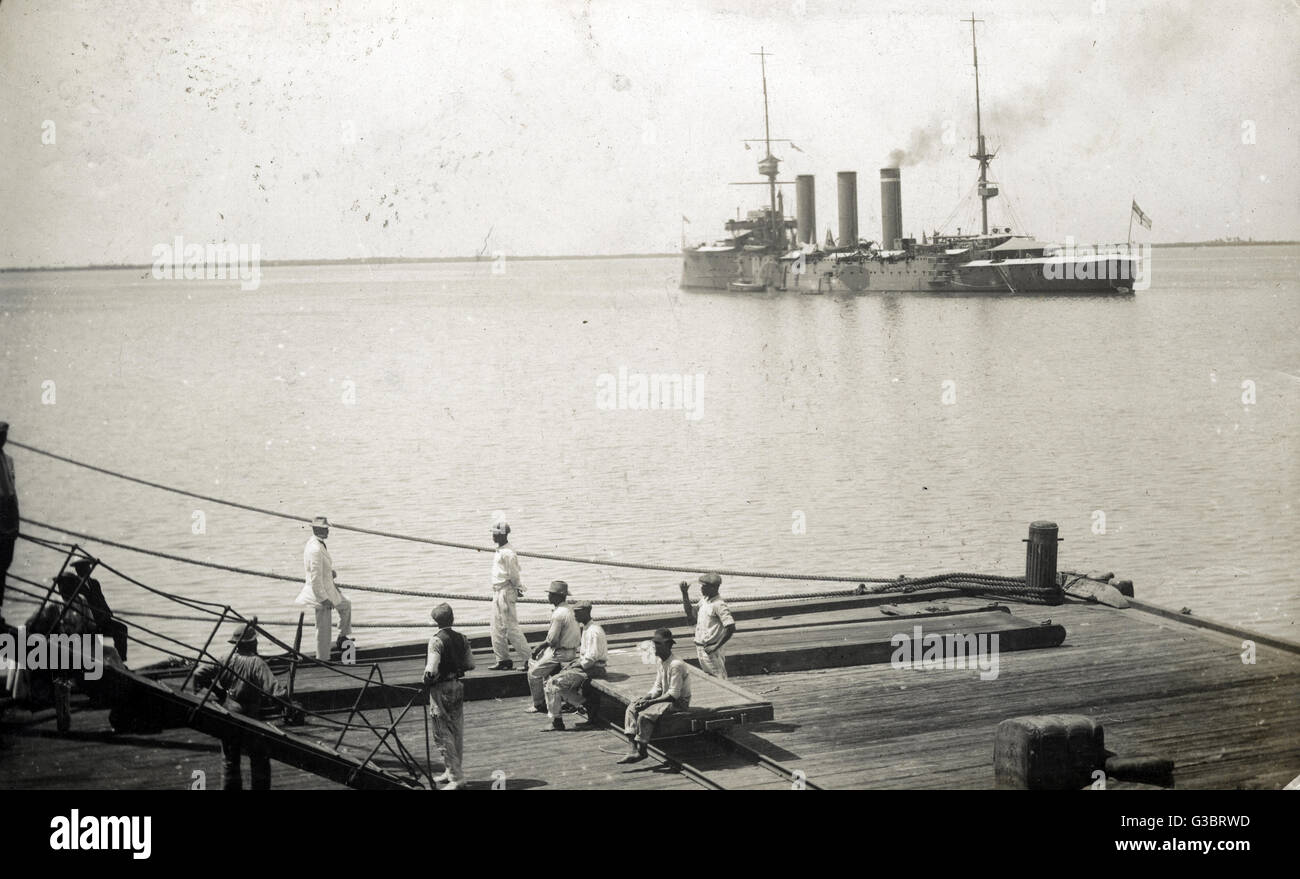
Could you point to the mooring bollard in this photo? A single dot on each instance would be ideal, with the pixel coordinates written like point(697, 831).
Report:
point(1040, 559)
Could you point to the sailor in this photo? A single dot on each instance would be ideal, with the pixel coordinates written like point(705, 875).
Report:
point(559, 647)
point(671, 692)
point(320, 592)
point(714, 624)
point(449, 658)
point(507, 589)
point(566, 684)
point(244, 685)
point(8, 515)
point(89, 589)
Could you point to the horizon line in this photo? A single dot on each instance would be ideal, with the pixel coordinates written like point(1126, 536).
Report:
point(379, 260)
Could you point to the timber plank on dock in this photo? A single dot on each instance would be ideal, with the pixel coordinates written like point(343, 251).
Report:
point(715, 703)
point(850, 632)
point(872, 641)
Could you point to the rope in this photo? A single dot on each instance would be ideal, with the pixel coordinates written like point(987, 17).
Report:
point(577, 560)
point(973, 581)
point(24, 597)
point(963, 580)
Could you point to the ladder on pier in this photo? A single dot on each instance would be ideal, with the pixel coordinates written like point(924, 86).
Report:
point(171, 708)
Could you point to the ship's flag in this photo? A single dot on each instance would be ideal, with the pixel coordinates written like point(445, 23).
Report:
point(746, 146)
point(795, 148)
point(1141, 217)
point(685, 219)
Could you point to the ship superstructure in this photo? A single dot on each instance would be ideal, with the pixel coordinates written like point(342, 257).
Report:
point(767, 251)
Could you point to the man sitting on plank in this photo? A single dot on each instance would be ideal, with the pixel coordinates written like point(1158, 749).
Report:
point(560, 646)
point(566, 685)
point(671, 692)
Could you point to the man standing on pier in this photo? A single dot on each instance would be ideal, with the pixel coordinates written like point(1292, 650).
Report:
point(248, 685)
point(671, 692)
point(8, 515)
point(449, 658)
point(714, 624)
point(507, 589)
point(320, 592)
point(560, 647)
point(566, 685)
point(89, 589)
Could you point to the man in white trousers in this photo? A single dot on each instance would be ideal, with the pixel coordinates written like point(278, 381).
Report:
point(507, 588)
point(320, 592)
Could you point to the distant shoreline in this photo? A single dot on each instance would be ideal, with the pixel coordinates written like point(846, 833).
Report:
point(353, 261)
point(398, 260)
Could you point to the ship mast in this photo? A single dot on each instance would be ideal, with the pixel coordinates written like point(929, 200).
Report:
point(769, 164)
point(981, 154)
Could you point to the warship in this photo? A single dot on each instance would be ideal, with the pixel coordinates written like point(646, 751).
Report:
point(766, 250)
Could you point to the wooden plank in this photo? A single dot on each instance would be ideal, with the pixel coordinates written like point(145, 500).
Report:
point(871, 641)
point(714, 702)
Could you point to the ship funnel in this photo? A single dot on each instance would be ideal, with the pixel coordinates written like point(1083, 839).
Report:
point(805, 197)
point(891, 208)
point(848, 191)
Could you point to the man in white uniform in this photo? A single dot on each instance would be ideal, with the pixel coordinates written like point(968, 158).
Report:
point(714, 624)
point(507, 589)
point(320, 592)
point(566, 685)
point(560, 646)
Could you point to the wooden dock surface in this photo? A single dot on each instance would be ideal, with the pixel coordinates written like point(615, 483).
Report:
point(1159, 685)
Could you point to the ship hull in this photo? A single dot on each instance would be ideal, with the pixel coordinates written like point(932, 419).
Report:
point(737, 269)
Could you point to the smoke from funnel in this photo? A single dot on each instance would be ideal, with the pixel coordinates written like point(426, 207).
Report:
point(922, 144)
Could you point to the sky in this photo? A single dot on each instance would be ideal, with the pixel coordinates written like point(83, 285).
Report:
point(413, 129)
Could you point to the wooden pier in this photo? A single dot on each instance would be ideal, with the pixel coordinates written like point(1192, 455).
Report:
point(841, 715)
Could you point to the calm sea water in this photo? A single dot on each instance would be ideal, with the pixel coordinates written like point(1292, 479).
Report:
point(469, 392)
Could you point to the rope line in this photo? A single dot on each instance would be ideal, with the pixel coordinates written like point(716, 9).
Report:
point(450, 544)
point(964, 580)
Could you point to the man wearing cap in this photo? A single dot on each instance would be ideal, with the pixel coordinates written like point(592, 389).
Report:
point(507, 588)
point(320, 592)
point(671, 692)
point(449, 658)
point(566, 684)
point(244, 685)
point(714, 624)
point(8, 514)
point(559, 647)
point(90, 590)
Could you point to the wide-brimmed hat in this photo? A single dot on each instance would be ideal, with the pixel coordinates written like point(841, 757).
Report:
point(81, 565)
point(557, 587)
point(245, 634)
point(502, 527)
point(664, 636)
point(320, 522)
